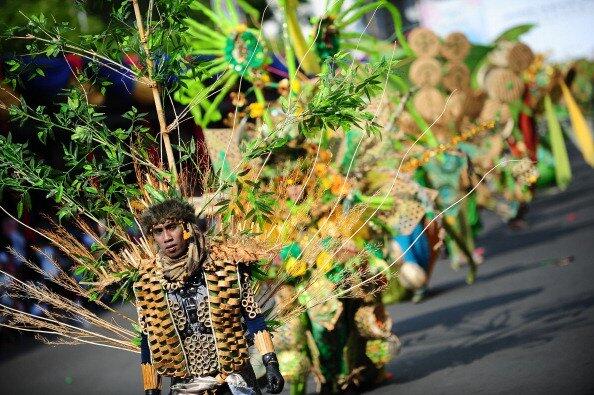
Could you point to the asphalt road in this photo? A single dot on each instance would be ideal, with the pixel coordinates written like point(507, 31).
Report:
point(526, 326)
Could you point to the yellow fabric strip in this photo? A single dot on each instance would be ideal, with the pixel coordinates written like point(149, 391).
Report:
point(583, 134)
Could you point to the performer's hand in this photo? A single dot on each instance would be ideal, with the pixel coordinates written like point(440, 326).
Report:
point(152, 392)
point(273, 375)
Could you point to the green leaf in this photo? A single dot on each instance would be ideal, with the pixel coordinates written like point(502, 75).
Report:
point(20, 208)
point(79, 271)
point(514, 33)
point(91, 190)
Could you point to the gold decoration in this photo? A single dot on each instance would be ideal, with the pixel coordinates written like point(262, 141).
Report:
point(413, 163)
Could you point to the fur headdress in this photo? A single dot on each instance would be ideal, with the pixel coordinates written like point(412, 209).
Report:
point(171, 209)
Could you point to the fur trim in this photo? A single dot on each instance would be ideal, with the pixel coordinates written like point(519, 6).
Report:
point(171, 209)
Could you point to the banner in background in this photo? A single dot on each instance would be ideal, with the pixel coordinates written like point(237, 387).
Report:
point(563, 31)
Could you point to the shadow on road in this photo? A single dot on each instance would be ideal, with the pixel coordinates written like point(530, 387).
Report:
point(496, 245)
point(460, 283)
point(455, 315)
point(472, 343)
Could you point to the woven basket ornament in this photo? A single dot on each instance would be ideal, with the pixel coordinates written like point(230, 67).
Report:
point(519, 57)
point(425, 72)
point(475, 100)
point(456, 77)
point(515, 56)
point(504, 85)
point(407, 124)
point(455, 47)
point(429, 102)
point(369, 324)
point(424, 42)
point(494, 109)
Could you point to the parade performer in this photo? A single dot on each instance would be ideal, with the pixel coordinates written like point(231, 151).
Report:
point(193, 301)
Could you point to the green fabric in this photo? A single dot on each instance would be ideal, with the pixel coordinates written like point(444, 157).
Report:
point(562, 166)
point(545, 166)
point(330, 345)
point(445, 178)
point(473, 214)
point(298, 388)
point(290, 250)
point(420, 176)
point(327, 42)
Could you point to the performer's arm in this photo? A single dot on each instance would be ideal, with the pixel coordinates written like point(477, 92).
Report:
point(151, 380)
point(256, 325)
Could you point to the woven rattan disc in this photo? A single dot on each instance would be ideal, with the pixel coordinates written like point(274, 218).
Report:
point(515, 56)
point(424, 42)
point(429, 102)
point(495, 110)
point(465, 123)
point(481, 74)
point(425, 72)
point(504, 85)
point(455, 46)
point(475, 99)
point(456, 105)
point(519, 57)
point(456, 77)
point(407, 123)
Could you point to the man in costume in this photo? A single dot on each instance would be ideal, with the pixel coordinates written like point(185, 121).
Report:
point(197, 310)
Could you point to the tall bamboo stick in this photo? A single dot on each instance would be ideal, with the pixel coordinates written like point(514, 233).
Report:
point(155, 89)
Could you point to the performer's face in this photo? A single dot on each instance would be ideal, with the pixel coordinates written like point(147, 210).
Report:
point(169, 236)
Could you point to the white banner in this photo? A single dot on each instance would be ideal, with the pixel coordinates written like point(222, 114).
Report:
point(564, 28)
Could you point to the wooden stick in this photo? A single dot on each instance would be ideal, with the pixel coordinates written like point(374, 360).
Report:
point(155, 89)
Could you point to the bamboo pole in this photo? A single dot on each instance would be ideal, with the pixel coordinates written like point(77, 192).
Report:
point(155, 89)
